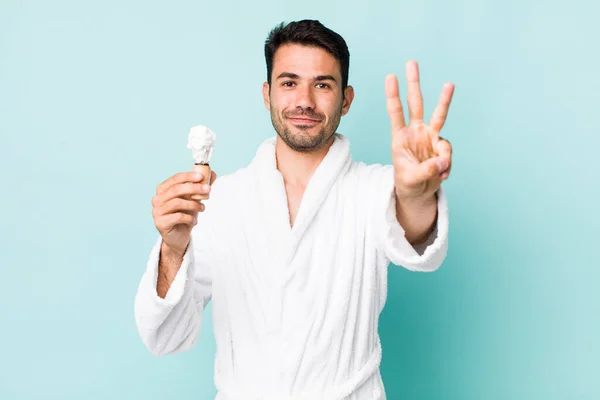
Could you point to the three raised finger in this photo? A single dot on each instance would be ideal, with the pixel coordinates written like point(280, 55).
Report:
point(415, 99)
point(394, 105)
point(441, 110)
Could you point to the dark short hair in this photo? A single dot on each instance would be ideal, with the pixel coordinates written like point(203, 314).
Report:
point(308, 33)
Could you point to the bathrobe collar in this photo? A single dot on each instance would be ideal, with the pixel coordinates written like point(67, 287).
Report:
point(335, 163)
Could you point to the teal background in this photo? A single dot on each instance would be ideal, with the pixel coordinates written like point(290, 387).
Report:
point(96, 100)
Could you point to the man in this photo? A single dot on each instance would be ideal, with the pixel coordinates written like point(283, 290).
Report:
point(293, 250)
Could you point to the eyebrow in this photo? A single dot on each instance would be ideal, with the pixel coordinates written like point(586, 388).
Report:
point(317, 78)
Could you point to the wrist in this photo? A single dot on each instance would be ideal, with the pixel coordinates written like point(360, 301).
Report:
point(170, 253)
point(417, 202)
point(417, 216)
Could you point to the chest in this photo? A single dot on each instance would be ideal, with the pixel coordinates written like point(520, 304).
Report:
point(294, 195)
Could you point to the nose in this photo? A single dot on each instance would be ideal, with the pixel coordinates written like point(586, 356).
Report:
point(304, 97)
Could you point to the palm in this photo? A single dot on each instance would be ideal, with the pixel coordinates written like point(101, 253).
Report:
point(420, 157)
point(411, 146)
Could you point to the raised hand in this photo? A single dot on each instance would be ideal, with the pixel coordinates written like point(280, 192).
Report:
point(174, 212)
point(421, 158)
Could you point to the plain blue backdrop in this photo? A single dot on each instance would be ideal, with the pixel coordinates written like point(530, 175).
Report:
point(97, 98)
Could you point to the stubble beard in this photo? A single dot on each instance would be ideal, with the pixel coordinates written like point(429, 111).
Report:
point(302, 141)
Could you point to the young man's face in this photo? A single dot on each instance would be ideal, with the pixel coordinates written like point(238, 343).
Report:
point(305, 98)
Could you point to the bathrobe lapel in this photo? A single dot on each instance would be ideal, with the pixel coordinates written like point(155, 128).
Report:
point(273, 215)
point(335, 163)
point(274, 199)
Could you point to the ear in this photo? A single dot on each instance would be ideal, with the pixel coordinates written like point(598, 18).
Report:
point(348, 98)
point(266, 99)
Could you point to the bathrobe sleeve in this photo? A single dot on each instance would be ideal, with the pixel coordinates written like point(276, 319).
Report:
point(172, 324)
point(392, 241)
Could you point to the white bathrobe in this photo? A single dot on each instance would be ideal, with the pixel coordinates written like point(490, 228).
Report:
point(295, 310)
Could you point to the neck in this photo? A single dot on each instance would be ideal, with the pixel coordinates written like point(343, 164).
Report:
point(297, 167)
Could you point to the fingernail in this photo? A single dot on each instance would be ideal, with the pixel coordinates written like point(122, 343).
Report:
point(206, 188)
point(442, 164)
point(198, 175)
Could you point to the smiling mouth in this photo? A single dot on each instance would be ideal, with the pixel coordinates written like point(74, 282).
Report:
point(304, 121)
